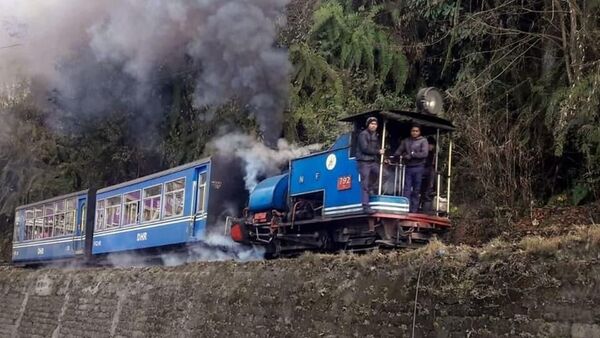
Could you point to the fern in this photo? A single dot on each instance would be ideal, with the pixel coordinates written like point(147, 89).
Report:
point(314, 73)
point(348, 63)
point(573, 117)
point(355, 42)
point(574, 107)
point(399, 71)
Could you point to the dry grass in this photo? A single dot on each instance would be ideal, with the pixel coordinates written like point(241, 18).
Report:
point(494, 249)
point(538, 245)
point(579, 238)
point(593, 235)
point(577, 241)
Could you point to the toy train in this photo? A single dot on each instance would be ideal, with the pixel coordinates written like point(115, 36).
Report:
point(313, 205)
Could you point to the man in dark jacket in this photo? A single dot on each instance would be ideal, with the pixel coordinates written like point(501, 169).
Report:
point(367, 156)
point(414, 152)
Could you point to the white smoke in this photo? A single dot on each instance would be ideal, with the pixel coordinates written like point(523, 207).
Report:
point(90, 52)
point(259, 160)
point(127, 260)
point(214, 247)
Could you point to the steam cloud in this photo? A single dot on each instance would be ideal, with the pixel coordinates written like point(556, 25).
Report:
point(259, 160)
point(214, 247)
point(93, 53)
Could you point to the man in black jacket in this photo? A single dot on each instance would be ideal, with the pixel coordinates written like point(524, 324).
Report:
point(367, 155)
point(414, 152)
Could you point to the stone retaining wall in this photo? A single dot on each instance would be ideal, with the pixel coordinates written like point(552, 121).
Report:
point(506, 290)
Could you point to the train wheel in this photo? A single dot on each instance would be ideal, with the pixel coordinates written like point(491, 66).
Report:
point(273, 250)
point(326, 241)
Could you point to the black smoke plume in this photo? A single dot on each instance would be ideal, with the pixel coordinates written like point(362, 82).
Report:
point(91, 56)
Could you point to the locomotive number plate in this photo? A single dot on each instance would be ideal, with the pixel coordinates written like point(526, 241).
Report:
point(344, 183)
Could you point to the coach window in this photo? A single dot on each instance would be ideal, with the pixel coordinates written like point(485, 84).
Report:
point(174, 192)
point(19, 225)
point(70, 216)
point(132, 208)
point(113, 212)
point(48, 220)
point(100, 215)
point(201, 193)
point(152, 203)
point(29, 222)
point(83, 223)
point(59, 218)
point(39, 223)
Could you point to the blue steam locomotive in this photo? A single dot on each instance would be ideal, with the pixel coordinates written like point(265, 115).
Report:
point(313, 205)
point(316, 204)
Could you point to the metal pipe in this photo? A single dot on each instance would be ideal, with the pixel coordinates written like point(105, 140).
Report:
point(381, 156)
point(437, 192)
point(449, 176)
point(437, 156)
point(395, 179)
point(437, 152)
point(227, 225)
point(402, 178)
point(294, 213)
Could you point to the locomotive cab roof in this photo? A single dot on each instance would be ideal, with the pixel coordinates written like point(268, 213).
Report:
point(402, 119)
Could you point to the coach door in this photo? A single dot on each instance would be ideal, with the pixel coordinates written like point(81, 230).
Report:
point(199, 202)
point(201, 193)
point(79, 233)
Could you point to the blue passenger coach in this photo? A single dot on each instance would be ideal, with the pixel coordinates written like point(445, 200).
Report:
point(161, 209)
point(52, 229)
point(175, 207)
point(172, 207)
